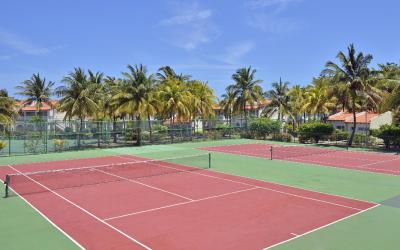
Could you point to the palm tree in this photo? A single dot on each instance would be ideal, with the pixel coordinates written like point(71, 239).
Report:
point(78, 97)
point(279, 99)
point(246, 89)
point(137, 96)
point(317, 100)
point(296, 103)
point(202, 100)
point(227, 102)
point(352, 71)
point(7, 107)
point(388, 77)
point(36, 90)
point(111, 88)
point(166, 72)
point(175, 98)
point(97, 80)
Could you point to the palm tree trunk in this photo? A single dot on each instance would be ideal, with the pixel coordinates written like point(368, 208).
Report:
point(350, 142)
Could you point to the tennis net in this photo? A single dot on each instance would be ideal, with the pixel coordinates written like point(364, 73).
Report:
point(285, 152)
point(44, 181)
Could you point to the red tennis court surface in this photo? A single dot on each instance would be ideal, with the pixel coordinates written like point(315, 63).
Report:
point(184, 209)
point(365, 161)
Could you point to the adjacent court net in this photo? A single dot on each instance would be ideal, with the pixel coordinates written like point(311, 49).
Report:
point(43, 181)
point(285, 152)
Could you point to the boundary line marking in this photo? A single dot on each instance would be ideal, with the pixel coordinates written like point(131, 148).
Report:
point(181, 203)
point(314, 163)
point(319, 228)
point(143, 184)
point(265, 188)
point(265, 181)
point(47, 218)
point(84, 210)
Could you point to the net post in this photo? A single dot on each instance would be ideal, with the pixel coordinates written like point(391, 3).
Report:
point(270, 151)
point(209, 160)
point(7, 183)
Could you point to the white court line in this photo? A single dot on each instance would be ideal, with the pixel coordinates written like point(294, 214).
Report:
point(296, 235)
point(319, 228)
point(319, 164)
point(270, 189)
point(46, 218)
point(378, 162)
point(252, 179)
point(143, 184)
point(345, 166)
point(84, 210)
point(181, 203)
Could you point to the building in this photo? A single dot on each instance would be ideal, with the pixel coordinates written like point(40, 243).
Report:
point(365, 121)
point(47, 111)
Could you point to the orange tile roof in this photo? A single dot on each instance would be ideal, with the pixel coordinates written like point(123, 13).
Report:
point(32, 106)
point(362, 117)
point(341, 116)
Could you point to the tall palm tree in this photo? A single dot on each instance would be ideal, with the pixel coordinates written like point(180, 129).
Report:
point(97, 80)
point(353, 71)
point(317, 100)
point(78, 97)
point(137, 96)
point(279, 99)
point(36, 90)
point(227, 102)
point(246, 89)
point(202, 101)
point(296, 103)
point(111, 88)
point(388, 77)
point(166, 72)
point(175, 98)
point(7, 107)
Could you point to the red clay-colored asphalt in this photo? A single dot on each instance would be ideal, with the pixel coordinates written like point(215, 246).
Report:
point(186, 210)
point(364, 161)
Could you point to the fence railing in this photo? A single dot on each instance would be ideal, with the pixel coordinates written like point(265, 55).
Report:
point(43, 137)
point(56, 136)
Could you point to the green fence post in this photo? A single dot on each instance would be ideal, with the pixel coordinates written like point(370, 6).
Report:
point(9, 143)
point(209, 160)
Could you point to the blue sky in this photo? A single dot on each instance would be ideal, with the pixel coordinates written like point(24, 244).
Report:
point(207, 39)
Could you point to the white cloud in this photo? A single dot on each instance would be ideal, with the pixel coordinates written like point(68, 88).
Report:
point(272, 24)
point(21, 45)
point(189, 27)
point(187, 17)
point(270, 3)
point(236, 52)
point(267, 16)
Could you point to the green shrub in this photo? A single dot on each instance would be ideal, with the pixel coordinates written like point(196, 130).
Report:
point(315, 131)
point(261, 127)
point(160, 128)
point(3, 144)
point(282, 137)
point(60, 144)
point(224, 128)
point(34, 143)
point(390, 134)
point(341, 135)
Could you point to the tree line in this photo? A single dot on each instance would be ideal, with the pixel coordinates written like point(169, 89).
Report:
point(350, 84)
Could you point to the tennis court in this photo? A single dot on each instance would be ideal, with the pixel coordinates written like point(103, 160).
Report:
point(384, 163)
point(130, 202)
